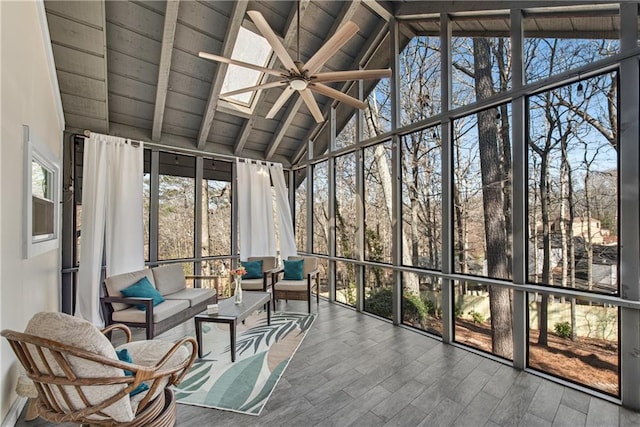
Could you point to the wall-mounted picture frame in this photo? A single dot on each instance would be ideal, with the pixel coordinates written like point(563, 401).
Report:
point(42, 197)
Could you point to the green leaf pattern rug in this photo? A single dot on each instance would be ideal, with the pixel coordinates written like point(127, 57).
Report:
point(262, 354)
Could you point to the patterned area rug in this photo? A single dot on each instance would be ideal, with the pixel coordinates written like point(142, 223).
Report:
point(262, 354)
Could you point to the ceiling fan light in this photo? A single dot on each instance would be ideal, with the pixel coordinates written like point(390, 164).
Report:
point(298, 84)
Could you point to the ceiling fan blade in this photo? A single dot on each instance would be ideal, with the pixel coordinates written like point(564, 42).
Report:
point(337, 95)
point(252, 88)
point(239, 63)
point(308, 99)
point(342, 36)
point(273, 39)
point(342, 76)
point(280, 102)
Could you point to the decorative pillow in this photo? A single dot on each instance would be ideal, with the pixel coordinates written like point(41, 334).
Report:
point(124, 356)
point(254, 269)
point(143, 289)
point(293, 269)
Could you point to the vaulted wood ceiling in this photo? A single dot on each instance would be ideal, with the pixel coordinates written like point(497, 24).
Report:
point(131, 68)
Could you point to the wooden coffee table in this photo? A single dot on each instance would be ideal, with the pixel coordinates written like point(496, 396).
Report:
point(232, 313)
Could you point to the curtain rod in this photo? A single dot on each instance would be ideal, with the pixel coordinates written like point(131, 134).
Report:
point(215, 156)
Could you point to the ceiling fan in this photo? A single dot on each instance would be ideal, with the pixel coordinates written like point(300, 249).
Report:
point(303, 77)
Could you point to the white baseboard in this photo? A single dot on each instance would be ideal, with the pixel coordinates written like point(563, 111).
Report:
point(14, 412)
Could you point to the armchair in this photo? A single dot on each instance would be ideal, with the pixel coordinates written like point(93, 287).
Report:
point(263, 283)
point(79, 378)
point(298, 289)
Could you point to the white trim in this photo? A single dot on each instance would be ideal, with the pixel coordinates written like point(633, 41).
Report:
point(14, 412)
point(48, 51)
point(34, 150)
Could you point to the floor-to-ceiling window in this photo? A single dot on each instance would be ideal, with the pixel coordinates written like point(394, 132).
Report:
point(464, 207)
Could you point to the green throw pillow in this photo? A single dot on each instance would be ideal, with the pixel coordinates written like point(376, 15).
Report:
point(254, 269)
point(143, 289)
point(293, 269)
point(124, 356)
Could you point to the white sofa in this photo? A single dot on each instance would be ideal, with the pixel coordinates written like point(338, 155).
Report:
point(181, 303)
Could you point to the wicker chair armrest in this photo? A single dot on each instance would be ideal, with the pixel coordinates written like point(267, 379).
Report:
point(179, 371)
point(120, 326)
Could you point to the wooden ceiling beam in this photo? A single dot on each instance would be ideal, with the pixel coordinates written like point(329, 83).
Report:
point(233, 28)
point(347, 12)
point(168, 36)
point(290, 33)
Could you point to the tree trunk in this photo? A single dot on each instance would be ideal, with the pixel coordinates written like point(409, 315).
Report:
point(493, 205)
point(410, 282)
point(206, 266)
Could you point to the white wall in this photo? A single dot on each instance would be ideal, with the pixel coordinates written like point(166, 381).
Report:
point(29, 95)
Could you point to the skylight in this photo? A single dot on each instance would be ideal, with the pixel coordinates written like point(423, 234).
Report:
point(252, 48)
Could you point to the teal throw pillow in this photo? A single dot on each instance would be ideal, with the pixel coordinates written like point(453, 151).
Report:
point(143, 289)
point(124, 356)
point(293, 269)
point(254, 269)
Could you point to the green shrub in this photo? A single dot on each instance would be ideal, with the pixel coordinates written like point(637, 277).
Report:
point(477, 317)
point(563, 329)
point(458, 311)
point(380, 303)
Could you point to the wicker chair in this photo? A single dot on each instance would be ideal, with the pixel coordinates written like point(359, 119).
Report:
point(79, 378)
point(298, 289)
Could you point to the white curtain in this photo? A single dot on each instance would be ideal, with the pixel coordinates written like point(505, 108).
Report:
point(285, 223)
point(111, 217)
point(255, 211)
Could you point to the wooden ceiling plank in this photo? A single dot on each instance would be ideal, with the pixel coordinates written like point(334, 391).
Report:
point(233, 28)
point(104, 59)
point(291, 31)
point(346, 14)
point(168, 36)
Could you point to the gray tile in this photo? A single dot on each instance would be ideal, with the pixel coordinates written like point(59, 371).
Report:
point(546, 400)
point(355, 369)
point(501, 381)
point(368, 420)
point(530, 420)
point(602, 413)
point(444, 414)
point(389, 407)
point(409, 416)
point(358, 407)
point(514, 405)
point(478, 411)
point(569, 417)
point(576, 399)
point(321, 411)
point(469, 387)
point(629, 418)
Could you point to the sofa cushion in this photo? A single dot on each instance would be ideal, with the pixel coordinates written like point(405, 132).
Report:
point(293, 285)
point(254, 284)
point(160, 312)
point(125, 356)
point(254, 269)
point(293, 269)
point(115, 283)
point(169, 278)
point(143, 289)
point(148, 353)
point(81, 334)
point(194, 296)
